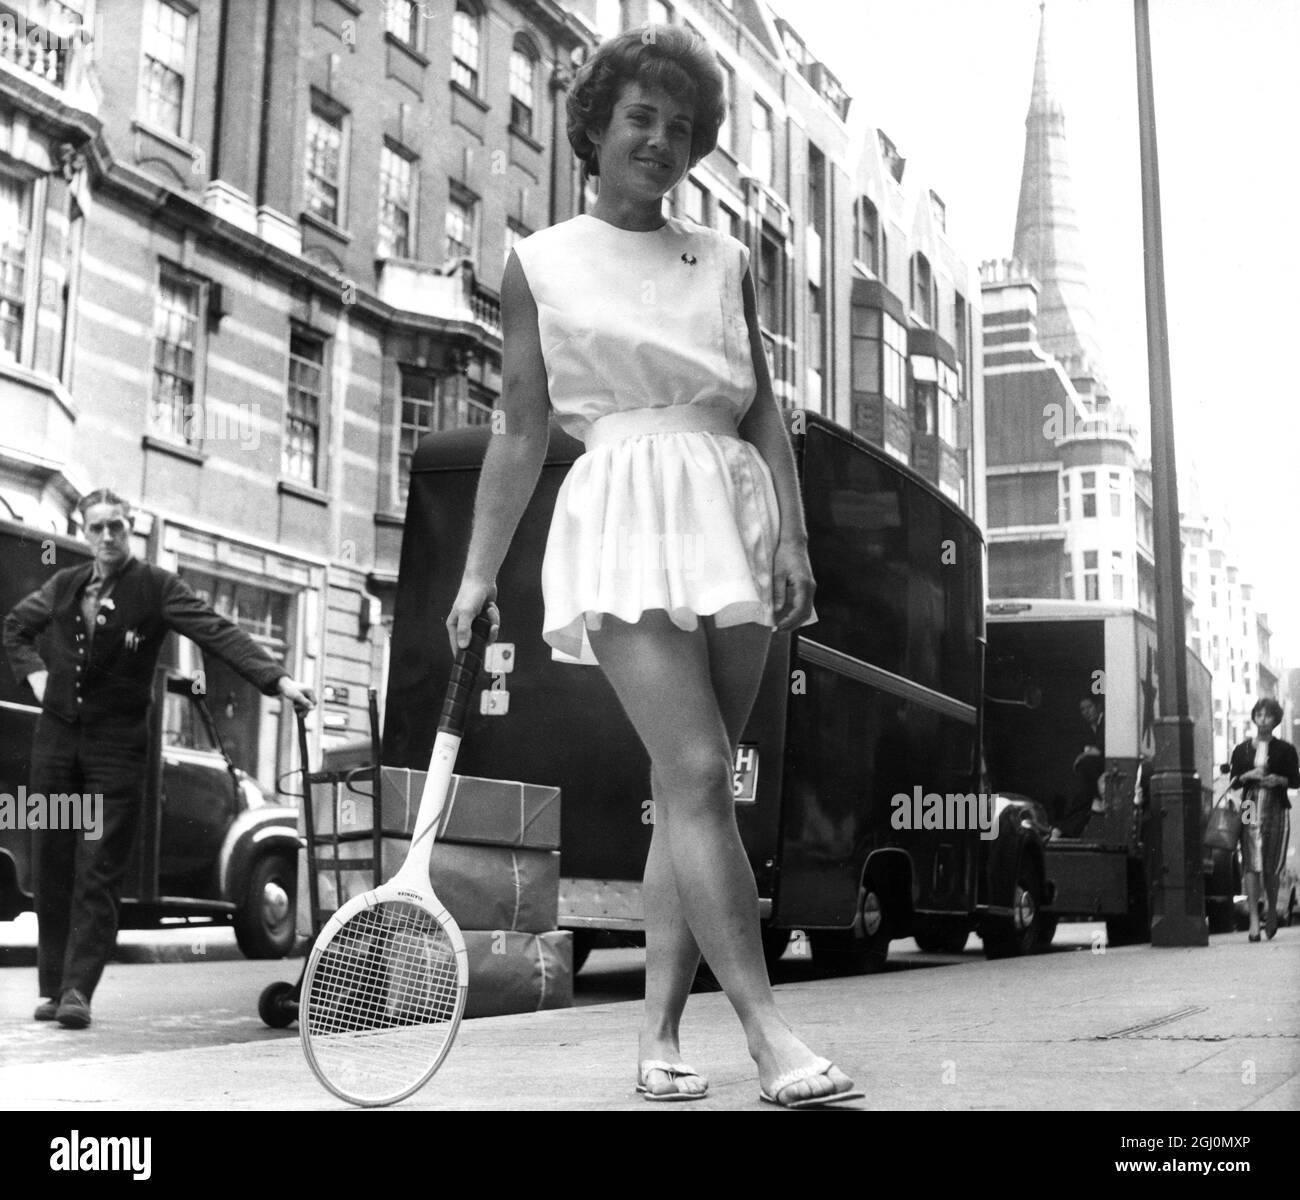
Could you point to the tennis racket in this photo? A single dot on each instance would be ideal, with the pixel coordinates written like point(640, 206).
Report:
point(385, 985)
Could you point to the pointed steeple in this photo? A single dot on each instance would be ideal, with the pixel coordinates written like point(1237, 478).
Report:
point(1047, 228)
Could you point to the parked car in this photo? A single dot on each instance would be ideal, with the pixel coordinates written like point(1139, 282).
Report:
point(211, 847)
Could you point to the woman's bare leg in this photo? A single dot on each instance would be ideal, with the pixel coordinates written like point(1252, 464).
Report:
point(671, 960)
point(1251, 881)
point(663, 680)
point(736, 659)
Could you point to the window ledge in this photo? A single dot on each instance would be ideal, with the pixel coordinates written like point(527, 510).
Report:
point(303, 491)
point(175, 449)
point(337, 232)
point(526, 138)
point(391, 520)
point(461, 90)
point(158, 133)
point(406, 48)
point(39, 381)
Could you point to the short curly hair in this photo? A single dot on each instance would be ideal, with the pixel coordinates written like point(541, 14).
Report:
point(655, 56)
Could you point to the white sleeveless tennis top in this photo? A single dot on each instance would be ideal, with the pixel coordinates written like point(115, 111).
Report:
point(648, 362)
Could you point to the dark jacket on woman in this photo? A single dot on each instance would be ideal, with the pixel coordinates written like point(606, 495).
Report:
point(1282, 760)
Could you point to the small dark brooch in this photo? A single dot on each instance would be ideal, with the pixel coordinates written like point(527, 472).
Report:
point(689, 259)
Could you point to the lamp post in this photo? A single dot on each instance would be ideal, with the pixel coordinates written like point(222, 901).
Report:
point(1178, 894)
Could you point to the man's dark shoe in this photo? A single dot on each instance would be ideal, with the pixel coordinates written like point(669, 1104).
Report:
point(74, 1010)
point(47, 1010)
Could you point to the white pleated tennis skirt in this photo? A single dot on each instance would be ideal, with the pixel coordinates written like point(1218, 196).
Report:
point(668, 509)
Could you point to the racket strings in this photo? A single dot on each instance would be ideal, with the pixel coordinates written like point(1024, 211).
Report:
point(383, 1001)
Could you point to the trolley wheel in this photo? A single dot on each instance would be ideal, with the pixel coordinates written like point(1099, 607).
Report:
point(277, 1005)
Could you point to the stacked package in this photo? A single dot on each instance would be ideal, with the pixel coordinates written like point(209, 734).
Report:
point(495, 865)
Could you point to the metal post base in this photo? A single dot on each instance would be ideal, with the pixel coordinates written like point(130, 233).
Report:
point(1178, 897)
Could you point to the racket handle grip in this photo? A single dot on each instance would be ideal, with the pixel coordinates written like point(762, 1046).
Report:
point(464, 674)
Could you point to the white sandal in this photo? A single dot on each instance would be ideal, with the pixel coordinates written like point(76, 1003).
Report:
point(674, 1071)
point(820, 1066)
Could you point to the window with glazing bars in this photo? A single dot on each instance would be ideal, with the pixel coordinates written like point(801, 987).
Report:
point(162, 79)
point(400, 17)
point(464, 48)
point(175, 352)
point(302, 423)
point(396, 204)
point(15, 228)
point(324, 165)
point(522, 71)
point(460, 227)
point(421, 397)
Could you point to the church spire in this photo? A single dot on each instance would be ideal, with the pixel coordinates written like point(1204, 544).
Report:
point(1047, 228)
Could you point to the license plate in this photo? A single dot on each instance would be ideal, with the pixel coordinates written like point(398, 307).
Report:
point(744, 775)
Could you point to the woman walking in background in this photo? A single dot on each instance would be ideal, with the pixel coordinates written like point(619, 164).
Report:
point(1265, 766)
point(677, 543)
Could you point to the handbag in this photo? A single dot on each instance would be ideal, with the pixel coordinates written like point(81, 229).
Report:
point(1223, 830)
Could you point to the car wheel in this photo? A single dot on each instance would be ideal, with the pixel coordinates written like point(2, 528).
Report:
point(862, 949)
point(1020, 933)
point(265, 924)
point(277, 1005)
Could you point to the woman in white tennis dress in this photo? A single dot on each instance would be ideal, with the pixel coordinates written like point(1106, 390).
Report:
point(648, 363)
point(677, 543)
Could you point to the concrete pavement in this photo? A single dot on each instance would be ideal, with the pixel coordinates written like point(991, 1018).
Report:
point(1129, 1028)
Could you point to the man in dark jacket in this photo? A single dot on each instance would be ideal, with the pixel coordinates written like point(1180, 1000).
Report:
point(1089, 766)
point(104, 624)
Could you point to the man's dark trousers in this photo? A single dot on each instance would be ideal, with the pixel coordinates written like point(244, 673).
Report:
point(79, 879)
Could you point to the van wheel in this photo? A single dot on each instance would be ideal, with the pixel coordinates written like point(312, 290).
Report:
point(1020, 933)
point(265, 917)
point(862, 949)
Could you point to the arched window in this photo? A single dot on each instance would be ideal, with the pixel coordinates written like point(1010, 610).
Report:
point(465, 48)
point(523, 86)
